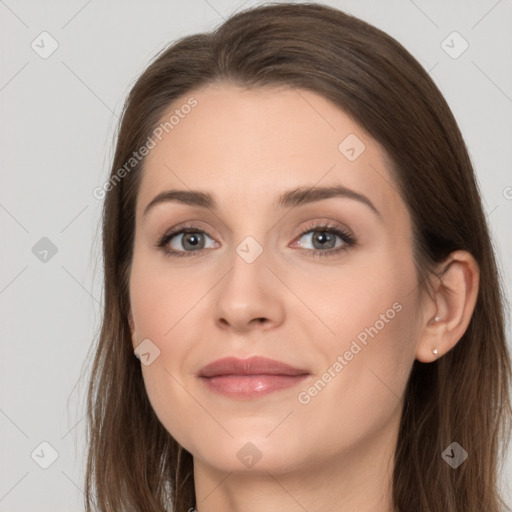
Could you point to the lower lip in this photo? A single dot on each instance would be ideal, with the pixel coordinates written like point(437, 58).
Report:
point(250, 386)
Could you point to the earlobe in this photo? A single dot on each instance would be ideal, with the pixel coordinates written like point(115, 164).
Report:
point(451, 307)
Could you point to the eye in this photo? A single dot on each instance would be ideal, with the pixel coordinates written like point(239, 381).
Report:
point(323, 238)
point(184, 242)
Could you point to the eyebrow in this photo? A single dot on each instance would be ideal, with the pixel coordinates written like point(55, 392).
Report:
point(291, 198)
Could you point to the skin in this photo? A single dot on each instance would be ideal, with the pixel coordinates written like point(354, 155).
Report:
point(246, 147)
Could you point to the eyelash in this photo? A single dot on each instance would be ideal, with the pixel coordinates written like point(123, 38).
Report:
point(348, 239)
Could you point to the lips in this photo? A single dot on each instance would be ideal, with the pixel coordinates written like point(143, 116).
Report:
point(249, 378)
point(253, 366)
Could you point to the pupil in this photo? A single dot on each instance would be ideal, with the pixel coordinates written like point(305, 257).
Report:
point(323, 237)
point(191, 238)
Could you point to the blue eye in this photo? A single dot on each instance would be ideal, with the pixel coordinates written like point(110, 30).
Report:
point(325, 236)
point(192, 240)
point(191, 237)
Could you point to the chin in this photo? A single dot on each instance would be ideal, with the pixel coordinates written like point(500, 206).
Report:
point(250, 453)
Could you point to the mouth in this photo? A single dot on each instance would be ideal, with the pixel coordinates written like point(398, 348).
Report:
point(250, 378)
point(249, 386)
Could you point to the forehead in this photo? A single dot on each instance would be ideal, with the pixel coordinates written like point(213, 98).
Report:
point(246, 146)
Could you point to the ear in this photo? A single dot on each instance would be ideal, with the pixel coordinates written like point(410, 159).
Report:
point(448, 311)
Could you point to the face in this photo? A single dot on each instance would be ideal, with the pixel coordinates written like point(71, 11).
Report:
point(324, 283)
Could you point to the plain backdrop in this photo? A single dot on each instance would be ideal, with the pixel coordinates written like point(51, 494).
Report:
point(59, 113)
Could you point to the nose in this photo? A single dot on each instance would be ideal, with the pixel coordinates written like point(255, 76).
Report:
point(250, 296)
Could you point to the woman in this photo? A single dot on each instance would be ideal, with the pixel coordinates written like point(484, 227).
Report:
point(296, 253)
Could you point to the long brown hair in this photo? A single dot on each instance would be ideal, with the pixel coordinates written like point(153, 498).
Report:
point(133, 462)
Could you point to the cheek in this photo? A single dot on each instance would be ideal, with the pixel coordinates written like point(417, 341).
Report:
point(358, 390)
point(369, 299)
point(165, 308)
point(160, 299)
point(367, 341)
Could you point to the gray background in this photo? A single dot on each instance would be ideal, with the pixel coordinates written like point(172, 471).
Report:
point(58, 118)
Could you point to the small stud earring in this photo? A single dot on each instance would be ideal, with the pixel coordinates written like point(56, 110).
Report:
point(436, 319)
point(434, 351)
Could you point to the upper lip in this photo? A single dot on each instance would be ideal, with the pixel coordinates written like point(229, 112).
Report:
point(252, 366)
